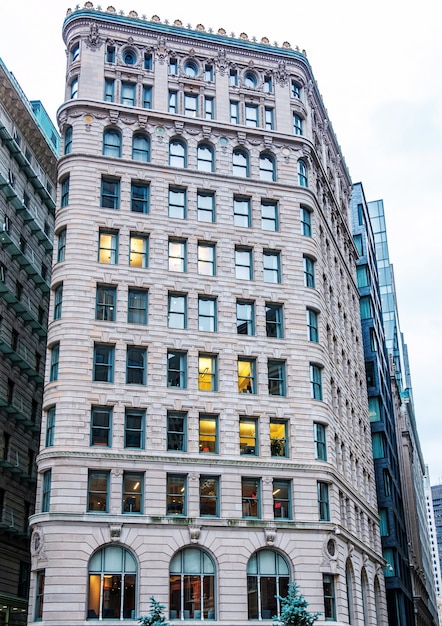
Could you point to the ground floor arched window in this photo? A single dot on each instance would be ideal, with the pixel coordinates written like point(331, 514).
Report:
point(267, 577)
point(112, 584)
point(192, 585)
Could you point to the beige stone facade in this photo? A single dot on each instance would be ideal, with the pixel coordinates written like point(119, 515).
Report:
point(235, 255)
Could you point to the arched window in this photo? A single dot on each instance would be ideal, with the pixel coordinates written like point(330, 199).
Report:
point(349, 588)
point(112, 142)
point(302, 173)
point(192, 585)
point(205, 160)
point(267, 577)
point(191, 69)
point(267, 168)
point(240, 163)
point(377, 601)
point(140, 147)
point(177, 153)
point(112, 584)
point(75, 51)
point(364, 592)
point(68, 140)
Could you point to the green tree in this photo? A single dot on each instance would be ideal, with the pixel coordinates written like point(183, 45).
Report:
point(156, 616)
point(294, 609)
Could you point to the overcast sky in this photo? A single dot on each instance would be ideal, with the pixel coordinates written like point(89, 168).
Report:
point(378, 67)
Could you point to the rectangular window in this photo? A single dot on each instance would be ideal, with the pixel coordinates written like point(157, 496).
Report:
point(136, 365)
point(110, 54)
point(358, 244)
point(139, 197)
point(207, 372)
point(251, 111)
point(134, 429)
point(103, 363)
point(207, 314)
point(108, 247)
point(383, 519)
point(297, 124)
point(274, 320)
point(177, 203)
point(50, 427)
point(148, 61)
point(133, 483)
point(245, 317)
point(328, 585)
point(209, 496)
point(110, 193)
point(139, 250)
point(278, 438)
point(190, 105)
point(128, 93)
point(61, 250)
point(208, 72)
point(296, 89)
point(64, 201)
point(246, 375)
point(267, 84)
point(282, 508)
point(323, 502)
point(209, 108)
point(176, 369)
point(39, 595)
point(205, 204)
point(176, 494)
point(46, 491)
point(250, 492)
point(312, 325)
point(374, 409)
point(276, 377)
point(176, 431)
point(137, 306)
point(58, 301)
point(269, 118)
point(309, 272)
point(319, 434)
point(248, 436)
point(106, 303)
point(243, 263)
point(177, 255)
point(173, 66)
point(365, 308)
point(177, 311)
point(271, 266)
point(173, 102)
point(362, 275)
point(98, 491)
point(269, 215)
point(242, 215)
point(109, 90)
point(378, 445)
point(234, 112)
point(315, 382)
point(389, 557)
point(306, 222)
point(101, 424)
point(55, 357)
point(233, 78)
point(206, 259)
point(208, 433)
point(147, 97)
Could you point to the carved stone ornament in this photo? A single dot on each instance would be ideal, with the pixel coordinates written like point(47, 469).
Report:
point(221, 62)
point(194, 532)
point(115, 531)
point(161, 50)
point(37, 542)
point(270, 535)
point(117, 471)
point(281, 74)
point(93, 40)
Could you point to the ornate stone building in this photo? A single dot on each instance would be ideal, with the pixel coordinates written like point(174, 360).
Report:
point(206, 437)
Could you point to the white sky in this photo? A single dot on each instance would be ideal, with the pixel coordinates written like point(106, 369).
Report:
point(378, 67)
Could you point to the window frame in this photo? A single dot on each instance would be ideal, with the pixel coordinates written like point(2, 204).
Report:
point(208, 262)
point(178, 373)
point(271, 266)
point(305, 215)
point(181, 481)
point(206, 439)
point(138, 257)
point(177, 157)
point(141, 147)
point(139, 202)
point(133, 431)
point(249, 384)
point(240, 169)
point(108, 366)
point(309, 271)
point(110, 193)
point(329, 594)
point(176, 435)
point(277, 377)
point(180, 313)
point(278, 323)
point(316, 391)
point(136, 365)
point(279, 447)
point(246, 321)
point(312, 325)
point(64, 191)
point(178, 260)
point(101, 429)
point(251, 497)
point(320, 441)
point(241, 268)
point(54, 362)
point(177, 202)
point(129, 495)
point(103, 479)
point(269, 215)
point(133, 311)
point(50, 426)
point(203, 498)
point(267, 173)
point(205, 164)
point(106, 303)
point(112, 143)
point(58, 301)
point(278, 503)
point(211, 371)
point(323, 501)
point(46, 485)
